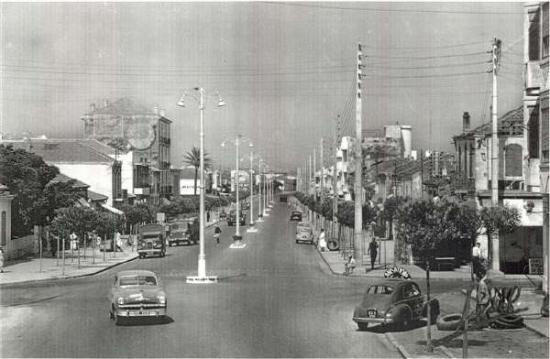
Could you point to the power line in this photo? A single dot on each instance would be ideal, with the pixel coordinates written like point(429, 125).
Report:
point(427, 57)
point(424, 47)
point(354, 8)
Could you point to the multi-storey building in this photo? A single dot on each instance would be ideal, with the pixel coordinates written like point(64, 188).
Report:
point(145, 132)
point(535, 106)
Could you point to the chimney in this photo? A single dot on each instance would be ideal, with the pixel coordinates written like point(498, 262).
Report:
point(465, 122)
point(92, 107)
point(162, 113)
point(156, 110)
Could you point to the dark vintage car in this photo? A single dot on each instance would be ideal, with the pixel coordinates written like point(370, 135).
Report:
point(395, 302)
point(231, 219)
point(296, 216)
point(182, 232)
point(137, 293)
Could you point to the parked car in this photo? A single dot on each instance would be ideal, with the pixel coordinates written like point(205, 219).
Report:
point(296, 216)
point(304, 233)
point(137, 293)
point(395, 302)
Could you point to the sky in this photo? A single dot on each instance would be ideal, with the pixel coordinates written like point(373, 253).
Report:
point(285, 70)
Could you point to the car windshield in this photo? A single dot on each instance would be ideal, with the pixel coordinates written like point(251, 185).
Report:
point(380, 289)
point(150, 235)
point(135, 280)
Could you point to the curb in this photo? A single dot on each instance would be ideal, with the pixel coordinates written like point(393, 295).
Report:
point(27, 282)
point(404, 353)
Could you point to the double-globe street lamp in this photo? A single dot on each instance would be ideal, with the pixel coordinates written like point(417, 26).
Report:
point(237, 237)
point(201, 277)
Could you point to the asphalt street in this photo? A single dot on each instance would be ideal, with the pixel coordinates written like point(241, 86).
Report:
point(275, 298)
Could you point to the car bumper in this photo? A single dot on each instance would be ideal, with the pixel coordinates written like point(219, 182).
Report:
point(373, 320)
point(146, 312)
point(149, 251)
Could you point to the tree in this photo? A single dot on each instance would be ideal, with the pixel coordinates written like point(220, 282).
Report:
point(192, 158)
point(27, 177)
point(138, 214)
point(500, 219)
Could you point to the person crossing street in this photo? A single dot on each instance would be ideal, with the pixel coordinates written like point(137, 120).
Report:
point(217, 232)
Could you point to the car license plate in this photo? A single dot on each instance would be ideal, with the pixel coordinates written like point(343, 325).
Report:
point(371, 313)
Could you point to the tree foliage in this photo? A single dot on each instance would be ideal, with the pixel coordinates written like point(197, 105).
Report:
point(505, 219)
point(192, 158)
point(27, 176)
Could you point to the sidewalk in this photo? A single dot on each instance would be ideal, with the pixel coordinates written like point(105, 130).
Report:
point(30, 269)
point(528, 342)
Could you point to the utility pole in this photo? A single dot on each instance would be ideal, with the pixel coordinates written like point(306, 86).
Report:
point(421, 174)
point(495, 256)
point(322, 167)
point(334, 178)
point(251, 185)
point(358, 190)
point(314, 188)
point(237, 235)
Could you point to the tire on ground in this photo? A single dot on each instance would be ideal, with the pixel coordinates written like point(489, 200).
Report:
point(449, 322)
point(511, 321)
point(333, 245)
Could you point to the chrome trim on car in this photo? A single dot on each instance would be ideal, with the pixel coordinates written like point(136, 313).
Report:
point(141, 305)
point(373, 320)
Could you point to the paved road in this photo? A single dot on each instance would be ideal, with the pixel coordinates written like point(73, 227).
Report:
point(275, 299)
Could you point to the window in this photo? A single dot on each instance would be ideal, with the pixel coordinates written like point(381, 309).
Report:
point(513, 160)
point(411, 291)
point(534, 38)
point(533, 133)
point(380, 289)
point(545, 20)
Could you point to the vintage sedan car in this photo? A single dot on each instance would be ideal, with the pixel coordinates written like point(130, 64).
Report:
point(137, 293)
point(395, 302)
point(304, 233)
point(296, 216)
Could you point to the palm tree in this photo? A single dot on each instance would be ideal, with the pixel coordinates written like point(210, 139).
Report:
point(192, 158)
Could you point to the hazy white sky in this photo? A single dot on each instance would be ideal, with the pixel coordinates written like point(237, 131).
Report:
point(285, 70)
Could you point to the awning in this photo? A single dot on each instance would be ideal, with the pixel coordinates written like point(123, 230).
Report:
point(112, 209)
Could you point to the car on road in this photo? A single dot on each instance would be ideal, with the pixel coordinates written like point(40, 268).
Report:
point(137, 294)
point(393, 302)
point(296, 216)
point(151, 240)
point(304, 233)
point(231, 219)
point(182, 232)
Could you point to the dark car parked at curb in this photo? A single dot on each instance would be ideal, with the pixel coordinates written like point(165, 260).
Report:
point(393, 302)
point(296, 216)
point(137, 294)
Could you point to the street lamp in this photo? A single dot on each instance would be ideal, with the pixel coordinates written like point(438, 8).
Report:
point(260, 219)
point(201, 277)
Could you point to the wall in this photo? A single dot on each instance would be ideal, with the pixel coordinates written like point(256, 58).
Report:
point(187, 186)
point(127, 171)
point(97, 175)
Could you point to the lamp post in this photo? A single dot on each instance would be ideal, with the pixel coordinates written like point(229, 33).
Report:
point(250, 145)
point(201, 277)
point(237, 235)
point(260, 192)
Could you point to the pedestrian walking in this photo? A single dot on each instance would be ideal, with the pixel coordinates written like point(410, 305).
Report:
point(118, 241)
point(208, 216)
point(350, 265)
point(322, 241)
point(373, 251)
point(217, 232)
point(1, 260)
point(478, 261)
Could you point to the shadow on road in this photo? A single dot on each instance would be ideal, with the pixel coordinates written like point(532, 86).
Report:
point(380, 328)
point(131, 322)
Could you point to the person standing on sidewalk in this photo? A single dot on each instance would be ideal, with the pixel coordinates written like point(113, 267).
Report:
point(118, 242)
point(1, 260)
point(208, 217)
point(322, 241)
point(373, 251)
point(350, 265)
point(217, 232)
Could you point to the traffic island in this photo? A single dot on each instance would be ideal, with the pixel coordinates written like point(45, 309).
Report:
point(237, 242)
point(252, 230)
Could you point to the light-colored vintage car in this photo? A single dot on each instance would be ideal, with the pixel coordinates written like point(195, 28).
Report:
point(137, 293)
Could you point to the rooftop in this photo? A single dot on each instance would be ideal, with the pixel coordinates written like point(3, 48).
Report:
point(61, 178)
point(511, 123)
point(123, 106)
point(62, 150)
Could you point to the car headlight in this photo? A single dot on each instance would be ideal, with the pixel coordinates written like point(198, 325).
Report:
point(161, 299)
point(388, 314)
point(120, 300)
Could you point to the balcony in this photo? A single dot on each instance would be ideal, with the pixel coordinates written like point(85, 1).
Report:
point(463, 185)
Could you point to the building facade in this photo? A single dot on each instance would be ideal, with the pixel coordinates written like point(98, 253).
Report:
point(535, 101)
point(145, 132)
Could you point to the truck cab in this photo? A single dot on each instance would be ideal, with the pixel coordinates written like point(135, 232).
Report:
point(151, 240)
point(231, 219)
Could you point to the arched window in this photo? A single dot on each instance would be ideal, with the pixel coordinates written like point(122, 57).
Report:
point(513, 160)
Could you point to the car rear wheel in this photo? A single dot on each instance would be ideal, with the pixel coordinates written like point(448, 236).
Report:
point(363, 326)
